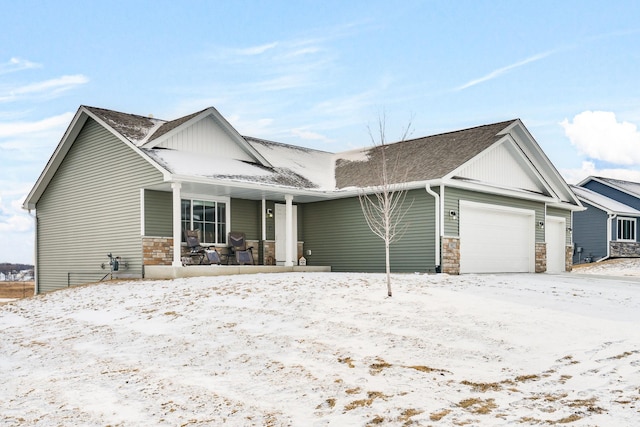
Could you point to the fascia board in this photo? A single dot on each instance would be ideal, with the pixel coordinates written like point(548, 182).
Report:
point(56, 158)
point(483, 188)
point(531, 142)
point(235, 135)
point(567, 206)
point(247, 185)
point(607, 210)
point(327, 194)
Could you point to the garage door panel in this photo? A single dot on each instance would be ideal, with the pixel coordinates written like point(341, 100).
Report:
point(495, 239)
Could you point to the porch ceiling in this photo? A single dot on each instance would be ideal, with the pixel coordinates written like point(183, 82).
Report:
point(249, 193)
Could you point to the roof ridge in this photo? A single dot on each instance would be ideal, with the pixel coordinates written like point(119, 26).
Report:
point(283, 144)
point(150, 117)
point(459, 130)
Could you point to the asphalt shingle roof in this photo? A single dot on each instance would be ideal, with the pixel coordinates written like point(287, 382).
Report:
point(421, 159)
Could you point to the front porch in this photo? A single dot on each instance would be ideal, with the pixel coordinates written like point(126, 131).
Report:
point(158, 256)
point(171, 272)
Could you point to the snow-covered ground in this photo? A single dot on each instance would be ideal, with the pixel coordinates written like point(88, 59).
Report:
point(316, 349)
point(611, 267)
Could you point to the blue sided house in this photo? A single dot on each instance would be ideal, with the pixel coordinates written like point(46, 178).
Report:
point(608, 228)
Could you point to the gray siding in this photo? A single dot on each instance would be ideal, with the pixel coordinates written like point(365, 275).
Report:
point(590, 233)
point(158, 213)
point(90, 208)
point(614, 194)
point(246, 217)
point(337, 235)
point(452, 197)
point(563, 213)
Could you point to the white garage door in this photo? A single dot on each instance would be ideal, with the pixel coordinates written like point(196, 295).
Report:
point(496, 239)
point(555, 235)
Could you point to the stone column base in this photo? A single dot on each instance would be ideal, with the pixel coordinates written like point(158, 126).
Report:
point(451, 255)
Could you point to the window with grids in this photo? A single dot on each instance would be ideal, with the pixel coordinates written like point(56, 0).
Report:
point(209, 217)
point(627, 229)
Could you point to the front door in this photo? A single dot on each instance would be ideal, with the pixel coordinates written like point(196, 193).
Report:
point(281, 233)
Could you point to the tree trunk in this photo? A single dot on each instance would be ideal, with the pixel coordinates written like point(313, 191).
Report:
point(386, 248)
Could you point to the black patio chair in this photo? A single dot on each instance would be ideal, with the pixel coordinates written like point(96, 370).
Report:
point(199, 254)
point(238, 252)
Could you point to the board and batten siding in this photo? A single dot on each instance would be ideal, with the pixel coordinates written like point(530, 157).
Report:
point(452, 197)
point(91, 208)
point(337, 235)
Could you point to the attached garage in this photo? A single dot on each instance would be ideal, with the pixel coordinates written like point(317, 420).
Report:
point(555, 236)
point(496, 239)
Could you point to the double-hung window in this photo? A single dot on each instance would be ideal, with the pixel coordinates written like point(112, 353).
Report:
point(627, 229)
point(207, 216)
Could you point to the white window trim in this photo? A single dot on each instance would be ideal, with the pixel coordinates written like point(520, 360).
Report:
point(635, 229)
point(206, 198)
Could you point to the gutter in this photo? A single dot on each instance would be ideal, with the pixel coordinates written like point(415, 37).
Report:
point(435, 195)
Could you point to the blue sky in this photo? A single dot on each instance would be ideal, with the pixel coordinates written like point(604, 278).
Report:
point(318, 73)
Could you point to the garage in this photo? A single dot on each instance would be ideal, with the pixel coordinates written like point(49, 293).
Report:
point(496, 239)
point(555, 237)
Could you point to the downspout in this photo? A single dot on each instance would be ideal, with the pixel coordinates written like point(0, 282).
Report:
point(36, 288)
point(437, 224)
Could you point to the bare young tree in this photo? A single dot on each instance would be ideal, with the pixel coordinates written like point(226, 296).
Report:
point(383, 204)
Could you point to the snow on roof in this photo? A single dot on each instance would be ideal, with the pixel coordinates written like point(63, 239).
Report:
point(314, 165)
point(629, 186)
point(604, 202)
point(136, 129)
point(216, 167)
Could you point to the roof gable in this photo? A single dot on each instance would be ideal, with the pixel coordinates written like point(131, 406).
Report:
point(504, 165)
point(626, 192)
point(205, 132)
point(604, 203)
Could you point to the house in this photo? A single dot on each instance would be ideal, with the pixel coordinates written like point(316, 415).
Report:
point(608, 227)
point(484, 199)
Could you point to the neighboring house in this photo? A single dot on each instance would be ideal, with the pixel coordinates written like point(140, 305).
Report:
point(608, 228)
point(485, 199)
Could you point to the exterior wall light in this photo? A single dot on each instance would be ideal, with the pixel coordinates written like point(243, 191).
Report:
point(269, 213)
point(453, 215)
point(540, 224)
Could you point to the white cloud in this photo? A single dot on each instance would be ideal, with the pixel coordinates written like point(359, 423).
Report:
point(588, 168)
point(45, 88)
point(22, 129)
point(306, 134)
point(598, 135)
point(14, 219)
point(503, 70)
point(17, 64)
point(256, 50)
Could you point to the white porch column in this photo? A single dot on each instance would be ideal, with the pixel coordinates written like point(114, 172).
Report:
point(264, 219)
point(289, 237)
point(177, 224)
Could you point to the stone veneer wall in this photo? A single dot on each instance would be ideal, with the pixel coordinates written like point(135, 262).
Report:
point(451, 255)
point(568, 259)
point(157, 250)
point(541, 257)
point(624, 249)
